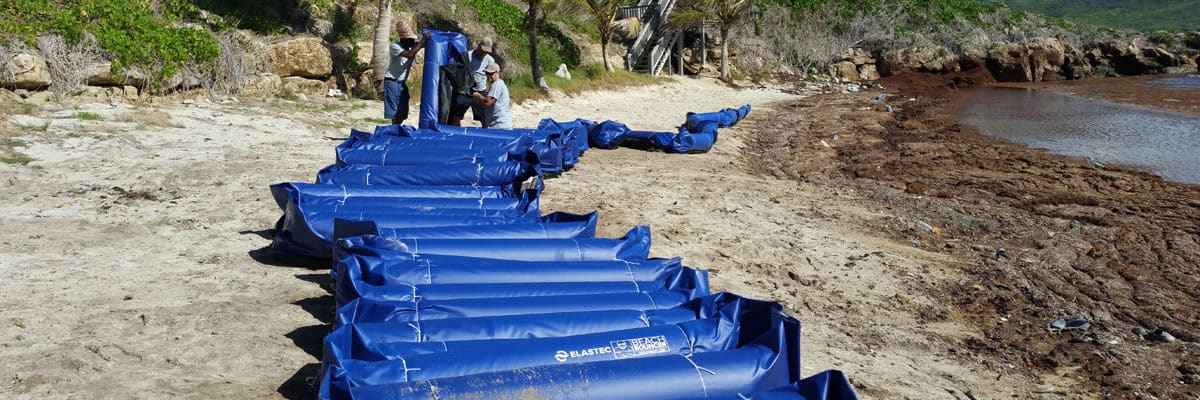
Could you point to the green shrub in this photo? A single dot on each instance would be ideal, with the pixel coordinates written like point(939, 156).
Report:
point(130, 30)
point(554, 47)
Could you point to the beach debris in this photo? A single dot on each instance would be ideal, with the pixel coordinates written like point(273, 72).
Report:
point(1160, 335)
point(925, 225)
point(826, 144)
point(880, 97)
point(1140, 331)
point(1069, 324)
point(836, 137)
point(563, 72)
point(1001, 253)
point(889, 108)
point(334, 93)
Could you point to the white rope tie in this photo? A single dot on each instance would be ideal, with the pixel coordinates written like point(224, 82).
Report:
point(383, 160)
point(345, 195)
point(428, 271)
point(652, 302)
point(645, 319)
point(632, 276)
point(699, 373)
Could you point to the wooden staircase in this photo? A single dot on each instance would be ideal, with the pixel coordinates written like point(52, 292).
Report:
point(652, 48)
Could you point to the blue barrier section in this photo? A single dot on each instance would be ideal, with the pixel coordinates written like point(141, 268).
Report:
point(440, 49)
point(449, 282)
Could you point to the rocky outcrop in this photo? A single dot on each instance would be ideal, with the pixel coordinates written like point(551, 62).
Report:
point(306, 57)
point(1009, 62)
point(918, 59)
point(100, 74)
point(25, 71)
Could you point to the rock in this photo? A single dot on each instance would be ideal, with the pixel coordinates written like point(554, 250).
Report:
point(918, 59)
point(247, 49)
point(1046, 58)
point(1161, 335)
point(363, 57)
point(857, 56)
point(100, 74)
point(8, 96)
point(265, 84)
point(1009, 62)
point(1193, 379)
point(844, 70)
point(305, 57)
point(298, 85)
point(39, 98)
point(25, 71)
point(868, 72)
point(130, 93)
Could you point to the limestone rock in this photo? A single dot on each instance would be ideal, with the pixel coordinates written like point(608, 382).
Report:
point(868, 72)
point(247, 49)
point(265, 84)
point(1046, 58)
point(857, 56)
point(298, 85)
point(918, 59)
point(100, 74)
point(305, 57)
point(25, 71)
point(844, 70)
point(1009, 62)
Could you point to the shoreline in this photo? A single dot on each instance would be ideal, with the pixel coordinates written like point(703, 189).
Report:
point(1126, 90)
point(1113, 246)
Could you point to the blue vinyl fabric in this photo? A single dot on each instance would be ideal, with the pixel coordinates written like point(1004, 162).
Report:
point(450, 282)
point(440, 49)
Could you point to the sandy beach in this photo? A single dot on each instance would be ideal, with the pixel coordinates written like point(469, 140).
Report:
point(133, 241)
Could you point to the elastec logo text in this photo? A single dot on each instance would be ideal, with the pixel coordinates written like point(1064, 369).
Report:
point(625, 348)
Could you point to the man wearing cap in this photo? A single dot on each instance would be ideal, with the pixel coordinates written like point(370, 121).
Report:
point(479, 58)
point(495, 100)
point(395, 86)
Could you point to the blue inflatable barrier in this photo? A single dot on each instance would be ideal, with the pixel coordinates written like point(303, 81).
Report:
point(483, 174)
point(308, 229)
point(575, 131)
point(548, 143)
point(318, 194)
point(634, 246)
point(403, 268)
point(705, 335)
point(362, 310)
point(440, 49)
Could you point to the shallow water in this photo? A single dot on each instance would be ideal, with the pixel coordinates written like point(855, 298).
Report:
point(1189, 81)
point(1166, 144)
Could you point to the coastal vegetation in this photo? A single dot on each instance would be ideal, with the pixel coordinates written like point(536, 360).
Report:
point(1143, 15)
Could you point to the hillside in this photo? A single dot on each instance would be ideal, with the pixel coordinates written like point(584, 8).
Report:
point(1145, 15)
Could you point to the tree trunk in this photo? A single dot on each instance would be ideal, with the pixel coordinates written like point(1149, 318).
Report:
point(725, 53)
point(535, 62)
point(604, 53)
point(380, 53)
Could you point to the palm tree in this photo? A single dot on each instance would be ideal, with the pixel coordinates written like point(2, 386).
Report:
point(382, 43)
point(604, 12)
point(724, 13)
point(532, 21)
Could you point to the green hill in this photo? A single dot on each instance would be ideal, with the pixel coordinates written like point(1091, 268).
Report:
point(1145, 15)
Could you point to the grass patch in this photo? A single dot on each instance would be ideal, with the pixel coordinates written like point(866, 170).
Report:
point(89, 116)
point(149, 118)
point(10, 156)
point(378, 121)
point(17, 108)
point(10, 143)
point(591, 77)
point(16, 159)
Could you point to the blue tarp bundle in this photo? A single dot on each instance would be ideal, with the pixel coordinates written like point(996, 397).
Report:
point(696, 135)
point(449, 282)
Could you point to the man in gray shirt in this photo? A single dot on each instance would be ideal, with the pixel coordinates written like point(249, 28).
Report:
point(496, 100)
point(395, 85)
point(479, 58)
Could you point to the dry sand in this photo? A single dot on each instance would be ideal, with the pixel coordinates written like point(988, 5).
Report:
point(126, 247)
